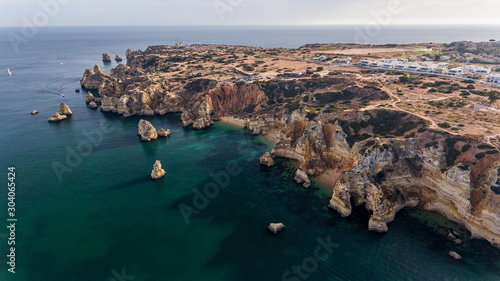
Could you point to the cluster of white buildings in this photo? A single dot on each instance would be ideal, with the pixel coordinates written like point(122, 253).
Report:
point(425, 67)
point(346, 60)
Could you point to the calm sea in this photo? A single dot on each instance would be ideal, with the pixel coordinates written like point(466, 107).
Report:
point(104, 219)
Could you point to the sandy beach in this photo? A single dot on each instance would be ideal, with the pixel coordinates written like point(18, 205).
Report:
point(329, 177)
point(234, 121)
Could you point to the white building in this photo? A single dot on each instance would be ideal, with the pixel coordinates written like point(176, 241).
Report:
point(427, 67)
point(456, 71)
point(483, 71)
point(394, 60)
point(413, 67)
point(320, 58)
point(401, 66)
point(494, 79)
point(387, 66)
point(366, 62)
point(345, 60)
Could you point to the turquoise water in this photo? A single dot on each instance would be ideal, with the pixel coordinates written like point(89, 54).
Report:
point(106, 214)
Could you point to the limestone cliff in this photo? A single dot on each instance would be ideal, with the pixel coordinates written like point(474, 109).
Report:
point(403, 173)
point(147, 131)
point(448, 174)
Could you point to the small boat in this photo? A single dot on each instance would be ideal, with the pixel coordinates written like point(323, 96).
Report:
point(8, 70)
point(62, 95)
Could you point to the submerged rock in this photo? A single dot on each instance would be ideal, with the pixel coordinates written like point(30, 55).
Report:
point(106, 58)
point(163, 134)
point(157, 172)
point(455, 255)
point(276, 228)
point(64, 109)
point(92, 105)
point(301, 177)
point(57, 117)
point(267, 160)
point(147, 131)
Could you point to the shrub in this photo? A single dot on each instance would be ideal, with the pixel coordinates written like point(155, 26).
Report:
point(466, 148)
point(444, 125)
point(485, 146)
point(480, 155)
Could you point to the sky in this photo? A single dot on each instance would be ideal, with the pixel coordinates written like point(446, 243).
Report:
point(246, 12)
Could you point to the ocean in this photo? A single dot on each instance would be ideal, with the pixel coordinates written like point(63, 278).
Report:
point(86, 208)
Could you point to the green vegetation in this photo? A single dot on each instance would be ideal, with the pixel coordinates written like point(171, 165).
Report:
point(493, 96)
point(480, 155)
point(485, 146)
point(466, 148)
point(444, 125)
point(452, 153)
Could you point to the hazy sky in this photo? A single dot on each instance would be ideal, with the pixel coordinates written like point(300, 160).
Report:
point(247, 12)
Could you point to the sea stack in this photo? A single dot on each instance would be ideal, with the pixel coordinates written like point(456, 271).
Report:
point(163, 134)
point(64, 109)
point(301, 177)
point(267, 160)
point(118, 58)
point(157, 172)
point(92, 105)
point(106, 58)
point(147, 131)
point(276, 228)
point(57, 117)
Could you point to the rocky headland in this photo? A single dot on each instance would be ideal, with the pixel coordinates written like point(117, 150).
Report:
point(387, 158)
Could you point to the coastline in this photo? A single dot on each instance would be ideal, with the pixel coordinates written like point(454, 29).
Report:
point(234, 121)
point(272, 135)
point(329, 177)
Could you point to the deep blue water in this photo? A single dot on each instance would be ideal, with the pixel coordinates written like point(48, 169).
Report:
point(106, 214)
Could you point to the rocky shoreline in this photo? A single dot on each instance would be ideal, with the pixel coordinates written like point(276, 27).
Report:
point(387, 159)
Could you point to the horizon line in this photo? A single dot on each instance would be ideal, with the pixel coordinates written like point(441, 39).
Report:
point(271, 25)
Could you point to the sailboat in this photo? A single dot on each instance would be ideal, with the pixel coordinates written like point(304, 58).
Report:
point(8, 70)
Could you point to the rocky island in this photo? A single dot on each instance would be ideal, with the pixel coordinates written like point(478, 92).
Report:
point(393, 139)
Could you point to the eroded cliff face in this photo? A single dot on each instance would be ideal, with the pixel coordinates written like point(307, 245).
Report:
point(132, 91)
point(404, 173)
point(435, 170)
point(316, 145)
